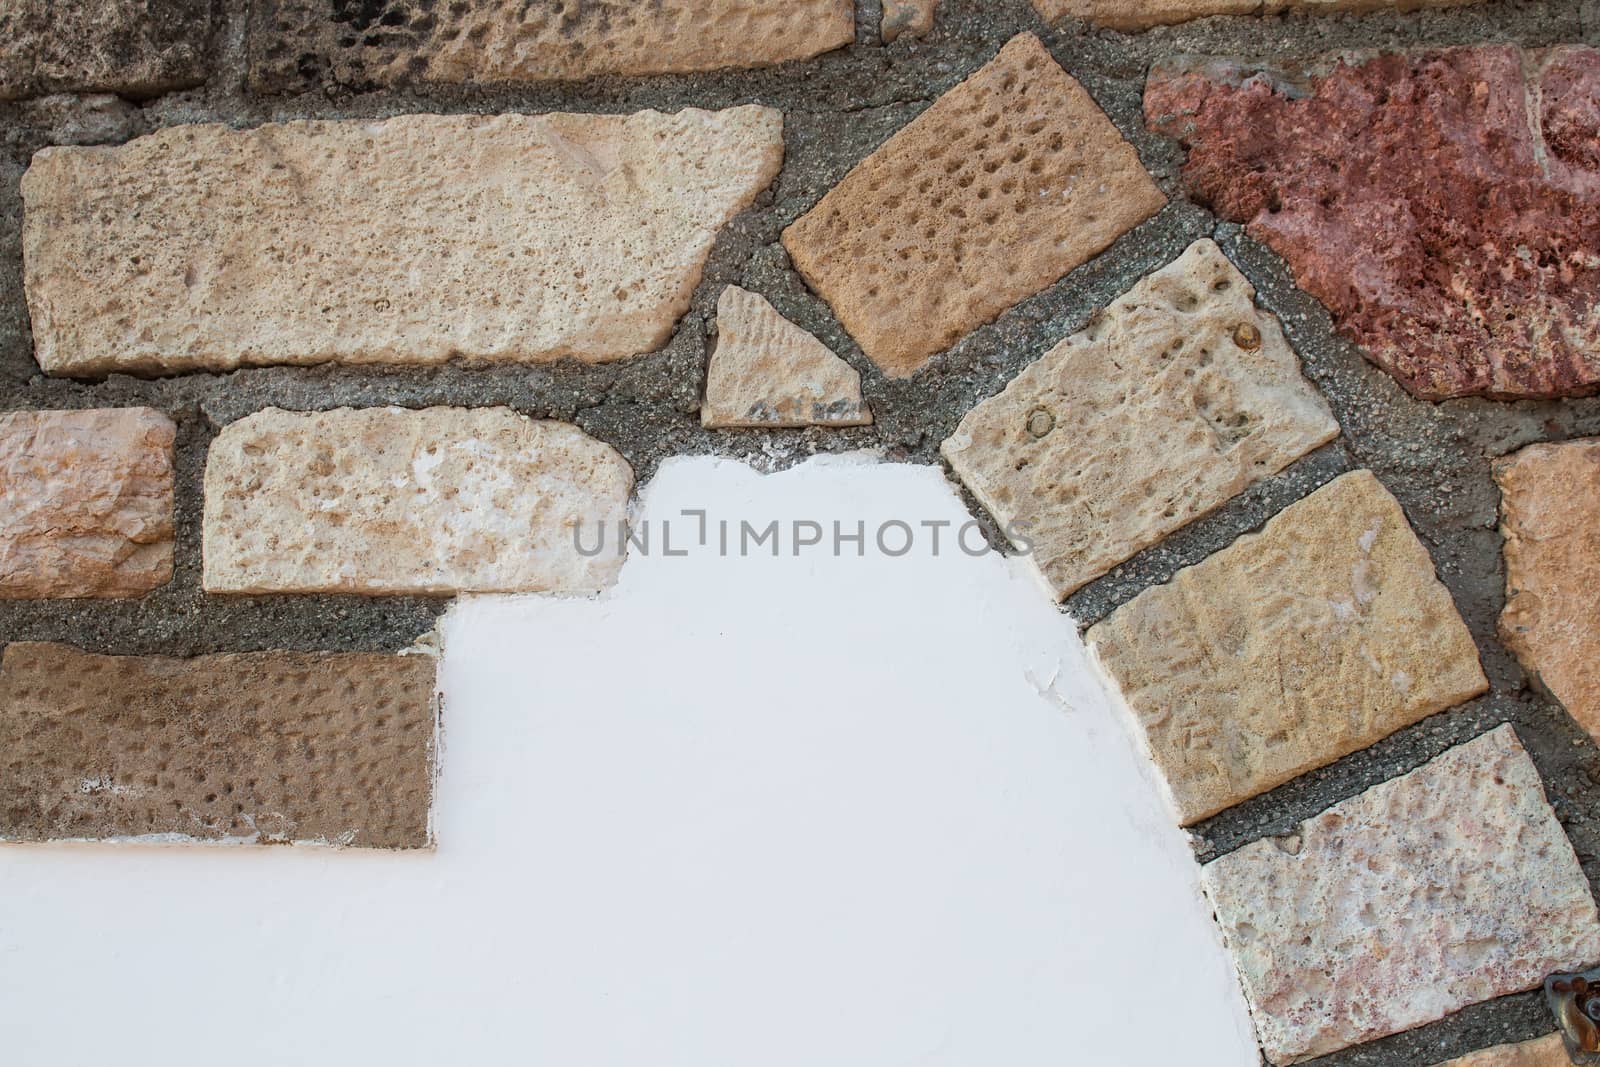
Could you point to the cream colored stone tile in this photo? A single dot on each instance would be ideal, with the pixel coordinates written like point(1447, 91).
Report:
point(1177, 397)
point(389, 501)
point(1447, 886)
point(410, 240)
point(1319, 635)
point(1546, 1051)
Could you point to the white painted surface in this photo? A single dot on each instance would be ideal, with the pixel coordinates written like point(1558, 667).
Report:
point(747, 812)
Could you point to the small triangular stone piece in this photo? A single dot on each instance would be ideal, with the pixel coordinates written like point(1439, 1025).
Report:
point(768, 372)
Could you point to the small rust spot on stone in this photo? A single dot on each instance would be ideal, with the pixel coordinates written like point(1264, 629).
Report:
point(1574, 1000)
point(1040, 422)
point(1246, 336)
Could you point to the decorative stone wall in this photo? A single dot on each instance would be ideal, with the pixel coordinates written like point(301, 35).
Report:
point(1269, 335)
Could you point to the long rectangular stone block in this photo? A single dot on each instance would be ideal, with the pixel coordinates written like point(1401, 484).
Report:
point(416, 239)
point(261, 747)
point(1447, 886)
point(1321, 634)
point(132, 47)
point(390, 501)
point(1132, 15)
point(85, 502)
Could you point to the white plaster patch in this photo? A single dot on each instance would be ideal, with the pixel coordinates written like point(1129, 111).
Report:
point(863, 811)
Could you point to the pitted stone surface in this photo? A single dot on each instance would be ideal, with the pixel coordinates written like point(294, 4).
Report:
point(1319, 635)
point(85, 502)
point(263, 747)
point(1177, 397)
point(1448, 886)
point(389, 501)
point(1132, 15)
point(1444, 206)
point(1550, 515)
point(911, 17)
point(412, 240)
point(1542, 1052)
point(1005, 184)
point(133, 47)
point(299, 44)
point(766, 371)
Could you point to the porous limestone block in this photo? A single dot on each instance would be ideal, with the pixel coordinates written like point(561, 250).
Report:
point(1548, 1051)
point(1319, 635)
point(1135, 15)
point(391, 501)
point(766, 371)
point(1450, 885)
point(911, 17)
point(256, 747)
point(85, 502)
point(1175, 398)
point(414, 240)
point(1005, 184)
point(132, 47)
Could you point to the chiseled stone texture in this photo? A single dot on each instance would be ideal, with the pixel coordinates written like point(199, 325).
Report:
point(1005, 184)
point(411, 240)
point(1133, 15)
point(391, 501)
point(298, 44)
point(1319, 635)
point(133, 47)
point(1546, 1051)
point(766, 371)
point(1175, 398)
point(914, 18)
point(85, 502)
point(1445, 206)
point(261, 747)
point(1550, 516)
point(1447, 886)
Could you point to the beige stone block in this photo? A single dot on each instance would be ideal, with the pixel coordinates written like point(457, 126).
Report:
point(1135, 15)
point(85, 502)
point(133, 47)
point(766, 371)
point(1005, 184)
point(391, 501)
point(1447, 886)
point(416, 239)
point(294, 44)
point(1177, 397)
point(1319, 635)
point(911, 17)
point(1547, 1051)
point(1550, 515)
point(259, 747)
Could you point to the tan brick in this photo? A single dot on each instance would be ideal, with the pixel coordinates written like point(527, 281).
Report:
point(766, 371)
point(1133, 15)
point(1319, 635)
point(85, 502)
point(262, 747)
point(411, 240)
point(1177, 397)
point(295, 44)
point(1550, 516)
point(1546, 1051)
point(388, 501)
point(1450, 885)
point(1005, 184)
point(133, 47)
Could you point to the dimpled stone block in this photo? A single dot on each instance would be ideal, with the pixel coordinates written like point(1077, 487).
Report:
point(410, 240)
point(1447, 886)
point(1550, 515)
point(85, 502)
point(389, 501)
point(1175, 398)
point(259, 747)
point(1445, 205)
point(766, 371)
point(133, 47)
point(911, 17)
point(1133, 15)
point(1546, 1051)
point(1005, 184)
point(298, 44)
point(1290, 648)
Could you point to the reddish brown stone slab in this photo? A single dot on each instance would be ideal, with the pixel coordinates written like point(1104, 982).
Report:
point(1005, 184)
point(85, 502)
point(1445, 206)
point(264, 747)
